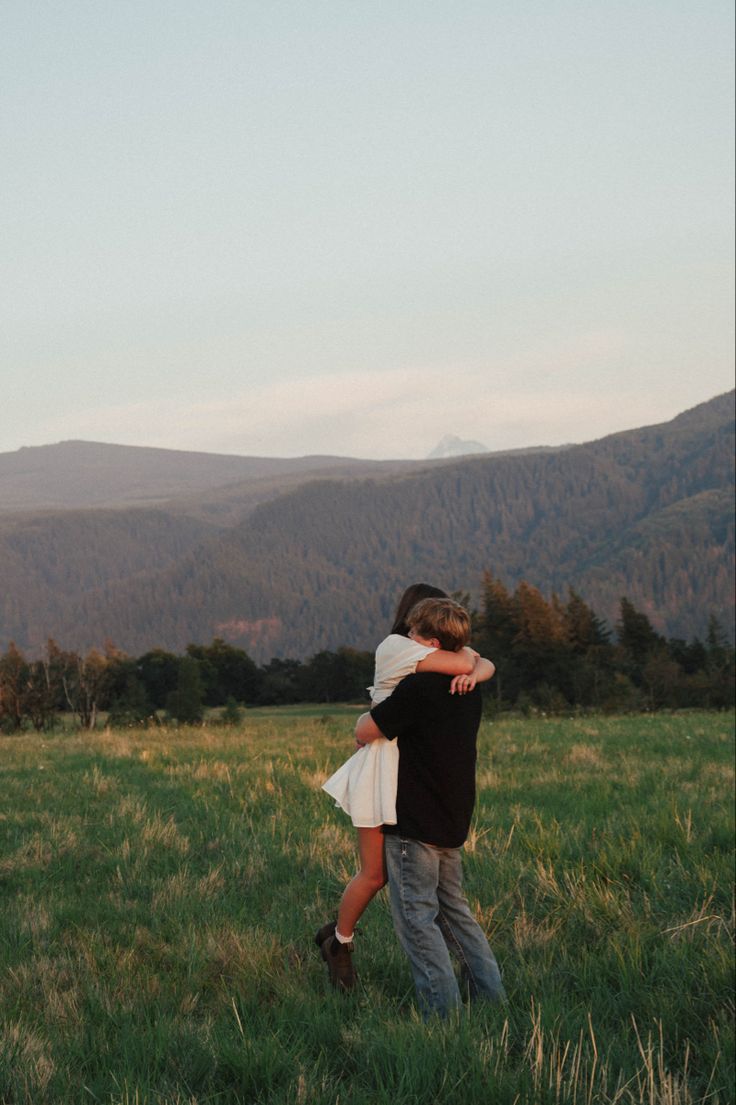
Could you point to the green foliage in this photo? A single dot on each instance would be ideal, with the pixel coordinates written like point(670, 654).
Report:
point(637, 639)
point(225, 672)
point(232, 713)
point(186, 703)
point(281, 682)
point(130, 706)
point(551, 656)
point(14, 674)
point(162, 890)
point(341, 676)
point(558, 656)
point(158, 671)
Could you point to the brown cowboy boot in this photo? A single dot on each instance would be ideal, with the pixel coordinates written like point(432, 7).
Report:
point(327, 930)
point(339, 960)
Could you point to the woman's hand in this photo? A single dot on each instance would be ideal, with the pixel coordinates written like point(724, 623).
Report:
point(483, 670)
point(366, 731)
point(461, 684)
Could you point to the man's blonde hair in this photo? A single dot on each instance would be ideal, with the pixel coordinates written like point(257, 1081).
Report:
point(444, 619)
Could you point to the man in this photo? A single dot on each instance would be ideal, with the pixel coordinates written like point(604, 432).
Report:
point(437, 734)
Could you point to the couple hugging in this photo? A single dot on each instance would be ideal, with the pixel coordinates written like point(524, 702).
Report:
point(410, 789)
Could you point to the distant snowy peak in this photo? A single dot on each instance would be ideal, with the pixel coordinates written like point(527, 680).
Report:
point(453, 446)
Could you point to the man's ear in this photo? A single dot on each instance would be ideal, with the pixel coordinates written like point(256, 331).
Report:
point(434, 642)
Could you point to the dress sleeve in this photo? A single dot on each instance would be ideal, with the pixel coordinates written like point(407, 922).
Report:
point(396, 657)
point(400, 654)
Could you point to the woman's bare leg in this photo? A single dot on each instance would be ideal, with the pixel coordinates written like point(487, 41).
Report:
point(364, 886)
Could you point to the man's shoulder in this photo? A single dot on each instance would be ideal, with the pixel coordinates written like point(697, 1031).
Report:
point(413, 691)
point(422, 702)
point(435, 686)
point(424, 682)
point(427, 679)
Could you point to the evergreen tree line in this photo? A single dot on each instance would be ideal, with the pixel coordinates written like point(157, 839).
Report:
point(551, 656)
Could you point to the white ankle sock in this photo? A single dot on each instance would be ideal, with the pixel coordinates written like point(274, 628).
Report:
point(343, 939)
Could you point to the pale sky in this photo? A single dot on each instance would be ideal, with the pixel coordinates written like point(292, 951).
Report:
point(352, 227)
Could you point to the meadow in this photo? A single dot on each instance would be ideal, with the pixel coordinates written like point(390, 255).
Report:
point(160, 890)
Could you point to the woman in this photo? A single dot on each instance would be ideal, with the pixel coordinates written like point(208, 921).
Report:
point(365, 786)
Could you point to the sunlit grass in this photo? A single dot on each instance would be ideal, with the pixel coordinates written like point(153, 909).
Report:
point(161, 889)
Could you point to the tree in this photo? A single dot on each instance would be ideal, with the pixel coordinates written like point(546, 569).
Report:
point(281, 682)
point(130, 706)
point(499, 624)
point(13, 684)
point(341, 676)
point(84, 680)
point(716, 640)
point(691, 656)
point(591, 662)
point(720, 666)
point(226, 672)
point(637, 639)
point(232, 714)
point(539, 644)
point(662, 678)
point(497, 630)
point(42, 694)
point(583, 629)
point(185, 703)
point(158, 671)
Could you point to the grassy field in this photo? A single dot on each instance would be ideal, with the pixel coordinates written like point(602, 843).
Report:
point(160, 891)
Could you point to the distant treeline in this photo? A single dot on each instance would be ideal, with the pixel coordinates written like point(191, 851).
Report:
point(552, 656)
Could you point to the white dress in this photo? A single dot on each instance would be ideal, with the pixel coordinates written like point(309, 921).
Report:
point(365, 785)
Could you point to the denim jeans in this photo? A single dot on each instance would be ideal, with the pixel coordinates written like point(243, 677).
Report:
point(432, 918)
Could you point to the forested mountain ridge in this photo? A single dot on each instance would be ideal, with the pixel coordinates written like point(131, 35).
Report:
point(75, 475)
point(220, 488)
point(646, 513)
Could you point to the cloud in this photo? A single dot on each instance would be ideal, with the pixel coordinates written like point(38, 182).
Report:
point(390, 415)
point(575, 392)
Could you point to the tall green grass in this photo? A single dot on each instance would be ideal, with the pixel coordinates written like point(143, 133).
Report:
point(160, 891)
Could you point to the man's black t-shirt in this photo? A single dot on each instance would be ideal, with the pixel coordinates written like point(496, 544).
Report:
point(437, 734)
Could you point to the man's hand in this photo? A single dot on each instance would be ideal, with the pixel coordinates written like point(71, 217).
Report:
point(366, 731)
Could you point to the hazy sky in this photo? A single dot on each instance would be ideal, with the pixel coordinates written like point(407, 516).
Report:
point(351, 227)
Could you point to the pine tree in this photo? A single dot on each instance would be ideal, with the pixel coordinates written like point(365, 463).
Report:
point(540, 648)
point(582, 627)
point(498, 626)
point(637, 639)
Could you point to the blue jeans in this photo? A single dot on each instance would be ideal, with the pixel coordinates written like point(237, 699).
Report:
point(432, 918)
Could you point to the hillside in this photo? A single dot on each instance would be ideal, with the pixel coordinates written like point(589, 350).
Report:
point(76, 475)
point(646, 513)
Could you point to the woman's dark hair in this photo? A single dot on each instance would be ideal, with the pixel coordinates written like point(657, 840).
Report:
point(411, 596)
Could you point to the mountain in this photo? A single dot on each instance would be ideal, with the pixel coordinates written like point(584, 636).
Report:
point(647, 513)
point(452, 446)
point(83, 474)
